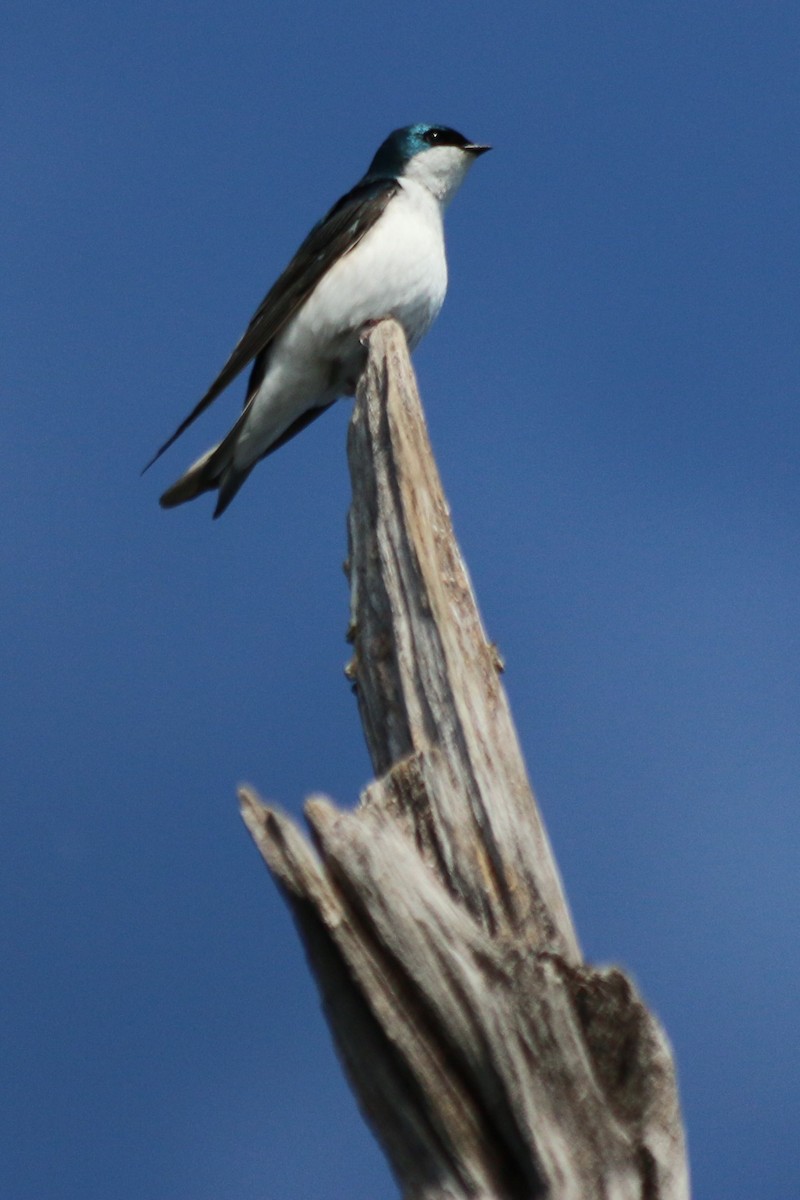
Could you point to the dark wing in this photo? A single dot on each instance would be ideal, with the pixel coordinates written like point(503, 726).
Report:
point(331, 238)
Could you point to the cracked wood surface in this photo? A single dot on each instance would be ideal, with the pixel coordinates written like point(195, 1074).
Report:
point(488, 1059)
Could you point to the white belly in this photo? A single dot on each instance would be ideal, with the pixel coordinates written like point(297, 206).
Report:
point(398, 269)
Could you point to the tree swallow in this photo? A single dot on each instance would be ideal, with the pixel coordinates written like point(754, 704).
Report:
point(378, 253)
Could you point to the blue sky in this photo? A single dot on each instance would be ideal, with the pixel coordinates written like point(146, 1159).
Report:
point(612, 396)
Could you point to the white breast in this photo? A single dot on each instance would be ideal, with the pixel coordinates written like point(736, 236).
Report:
point(398, 269)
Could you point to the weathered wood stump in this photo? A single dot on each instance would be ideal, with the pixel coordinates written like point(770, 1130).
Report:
point(489, 1059)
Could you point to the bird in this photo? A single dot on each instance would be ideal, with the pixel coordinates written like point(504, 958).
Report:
point(379, 252)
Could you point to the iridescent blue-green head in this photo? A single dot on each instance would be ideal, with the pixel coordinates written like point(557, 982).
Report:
point(434, 155)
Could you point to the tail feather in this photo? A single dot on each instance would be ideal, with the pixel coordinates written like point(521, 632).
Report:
point(229, 485)
point(201, 477)
point(214, 469)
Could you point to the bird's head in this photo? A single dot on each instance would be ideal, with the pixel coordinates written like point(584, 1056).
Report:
point(436, 156)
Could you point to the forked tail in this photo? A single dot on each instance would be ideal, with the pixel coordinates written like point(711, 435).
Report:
point(214, 470)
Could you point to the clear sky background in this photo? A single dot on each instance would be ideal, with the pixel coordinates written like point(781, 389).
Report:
point(612, 395)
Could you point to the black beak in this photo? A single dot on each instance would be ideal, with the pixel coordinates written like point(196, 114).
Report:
point(475, 149)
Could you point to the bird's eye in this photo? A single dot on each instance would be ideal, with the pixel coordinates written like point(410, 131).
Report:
point(432, 136)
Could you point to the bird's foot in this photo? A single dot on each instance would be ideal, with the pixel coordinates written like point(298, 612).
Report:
point(367, 328)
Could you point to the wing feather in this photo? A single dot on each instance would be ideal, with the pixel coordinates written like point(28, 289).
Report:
point(332, 237)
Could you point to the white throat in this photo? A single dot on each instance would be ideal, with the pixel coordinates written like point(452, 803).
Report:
point(441, 170)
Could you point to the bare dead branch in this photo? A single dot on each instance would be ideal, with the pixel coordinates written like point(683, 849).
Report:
point(489, 1060)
